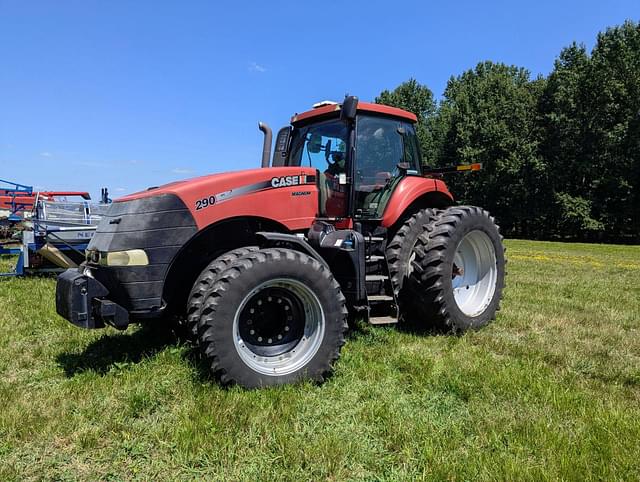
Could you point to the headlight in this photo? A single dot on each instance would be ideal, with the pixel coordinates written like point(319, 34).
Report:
point(131, 257)
point(92, 256)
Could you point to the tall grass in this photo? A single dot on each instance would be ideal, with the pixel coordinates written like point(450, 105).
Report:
point(549, 391)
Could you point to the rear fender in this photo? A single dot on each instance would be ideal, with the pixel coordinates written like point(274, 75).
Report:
point(412, 191)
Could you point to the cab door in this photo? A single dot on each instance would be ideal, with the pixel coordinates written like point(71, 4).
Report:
point(323, 146)
point(382, 144)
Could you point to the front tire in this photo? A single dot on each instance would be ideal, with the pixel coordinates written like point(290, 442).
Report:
point(274, 316)
point(459, 268)
point(203, 285)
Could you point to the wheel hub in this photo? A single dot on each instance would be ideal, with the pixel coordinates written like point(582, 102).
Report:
point(272, 321)
point(278, 327)
point(474, 273)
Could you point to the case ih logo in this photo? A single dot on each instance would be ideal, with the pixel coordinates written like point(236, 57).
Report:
point(275, 182)
point(288, 181)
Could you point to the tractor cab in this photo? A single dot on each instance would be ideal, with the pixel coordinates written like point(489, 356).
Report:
point(360, 151)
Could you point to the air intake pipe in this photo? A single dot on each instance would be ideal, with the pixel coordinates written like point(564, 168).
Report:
point(266, 148)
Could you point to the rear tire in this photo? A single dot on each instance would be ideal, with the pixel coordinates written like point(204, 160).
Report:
point(400, 256)
point(459, 269)
point(274, 316)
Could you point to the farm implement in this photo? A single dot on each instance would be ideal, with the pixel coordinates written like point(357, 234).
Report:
point(47, 230)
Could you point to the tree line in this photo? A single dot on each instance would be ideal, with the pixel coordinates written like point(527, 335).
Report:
point(560, 154)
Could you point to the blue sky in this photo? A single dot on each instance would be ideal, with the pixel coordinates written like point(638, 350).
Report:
point(129, 94)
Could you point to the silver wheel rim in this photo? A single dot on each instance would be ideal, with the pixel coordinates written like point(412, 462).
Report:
point(302, 350)
point(412, 258)
point(475, 273)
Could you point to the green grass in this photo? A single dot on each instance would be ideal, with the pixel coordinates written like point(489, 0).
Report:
point(549, 391)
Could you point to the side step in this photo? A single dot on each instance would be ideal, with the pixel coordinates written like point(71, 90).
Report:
point(382, 320)
point(377, 277)
point(382, 308)
point(380, 298)
point(374, 258)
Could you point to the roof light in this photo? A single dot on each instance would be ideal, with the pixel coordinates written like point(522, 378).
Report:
point(323, 103)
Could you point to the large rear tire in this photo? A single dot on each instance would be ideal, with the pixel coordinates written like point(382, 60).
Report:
point(400, 256)
point(274, 316)
point(459, 269)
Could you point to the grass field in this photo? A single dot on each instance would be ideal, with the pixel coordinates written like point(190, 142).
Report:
point(549, 391)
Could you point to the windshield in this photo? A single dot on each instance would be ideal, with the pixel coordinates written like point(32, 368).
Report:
point(323, 146)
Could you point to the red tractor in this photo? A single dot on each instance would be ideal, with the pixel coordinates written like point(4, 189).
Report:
point(265, 266)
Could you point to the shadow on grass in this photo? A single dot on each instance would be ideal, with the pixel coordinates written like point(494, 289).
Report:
point(118, 349)
point(358, 326)
point(113, 350)
point(422, 328)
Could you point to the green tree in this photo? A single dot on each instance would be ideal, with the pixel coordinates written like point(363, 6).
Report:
point(591, 111)
point(561, 155)
point(613, 88)
point(416, 98)
point(564, 117)
point(490, 115)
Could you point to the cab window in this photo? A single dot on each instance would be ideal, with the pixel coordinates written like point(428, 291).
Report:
point(411, 147)
point(381, 144)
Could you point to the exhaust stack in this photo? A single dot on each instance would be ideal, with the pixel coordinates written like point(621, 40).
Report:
point(266, 148)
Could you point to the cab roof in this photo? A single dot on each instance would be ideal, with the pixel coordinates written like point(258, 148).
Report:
point(327, 110)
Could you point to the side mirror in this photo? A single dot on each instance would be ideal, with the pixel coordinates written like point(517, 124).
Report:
point(327, 150)
point(349, 108)
point(314, 144)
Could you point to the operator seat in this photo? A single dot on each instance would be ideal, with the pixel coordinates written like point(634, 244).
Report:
point(380, 193)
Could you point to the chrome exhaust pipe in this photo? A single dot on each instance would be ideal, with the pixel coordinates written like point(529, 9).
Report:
point(266, 148)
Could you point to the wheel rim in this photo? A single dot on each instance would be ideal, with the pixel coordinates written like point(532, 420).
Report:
point(475, 273)
point(278, 327)
point(412, 258)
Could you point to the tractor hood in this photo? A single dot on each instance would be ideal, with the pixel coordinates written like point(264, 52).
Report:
point(223, 181)
point(285, 194)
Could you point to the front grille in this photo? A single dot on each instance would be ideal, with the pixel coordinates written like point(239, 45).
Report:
point(160, 225)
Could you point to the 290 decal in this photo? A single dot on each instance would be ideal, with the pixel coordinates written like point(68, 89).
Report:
point(205, 202)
